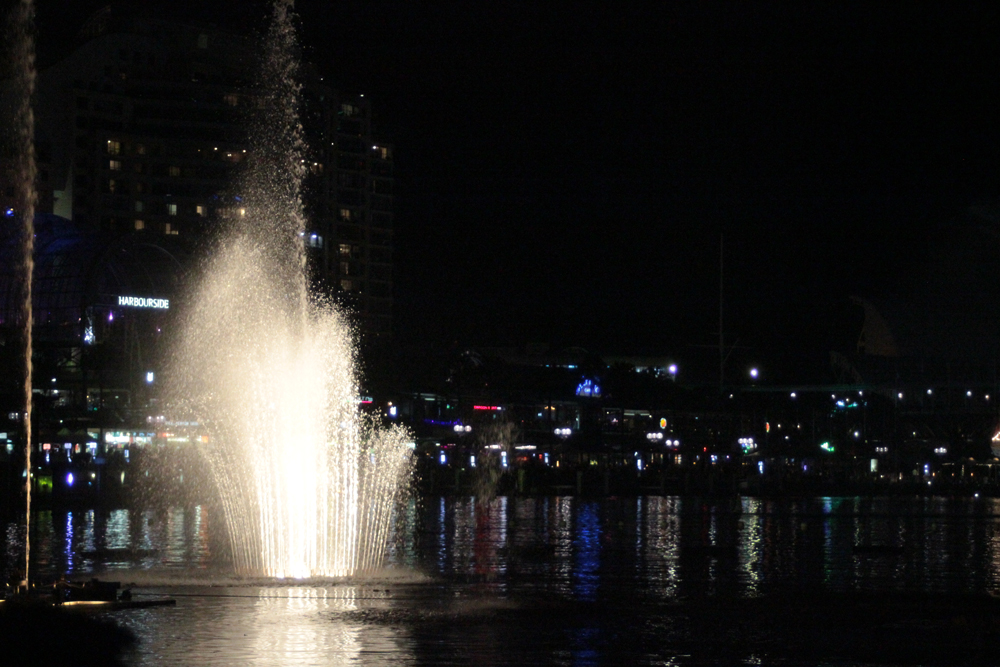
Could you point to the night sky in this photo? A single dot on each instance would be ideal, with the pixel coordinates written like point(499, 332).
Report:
point(564, 170)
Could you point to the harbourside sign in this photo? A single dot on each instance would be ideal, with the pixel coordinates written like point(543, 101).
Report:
point(143, 302)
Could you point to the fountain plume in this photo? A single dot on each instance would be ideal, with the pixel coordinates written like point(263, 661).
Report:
point(306, 484)
point(23, 59)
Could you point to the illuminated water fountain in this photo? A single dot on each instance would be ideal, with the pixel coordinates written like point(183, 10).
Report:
point(307, 485)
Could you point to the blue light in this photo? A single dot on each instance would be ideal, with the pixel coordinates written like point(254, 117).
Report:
point(69, 479)
point(588, 388)
point(9, 213)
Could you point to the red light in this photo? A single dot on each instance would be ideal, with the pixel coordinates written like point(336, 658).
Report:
point(704, 449)
point(485, 407)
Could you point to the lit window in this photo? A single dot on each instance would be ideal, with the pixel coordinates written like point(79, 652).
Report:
point(231, 99)
point(200, 210)
point(172, 209)
point(111, 185)
point(347, 285)
point(345, 214)
point(175, 171)
point(345, 250)
point(138, 207)
point(115, 165)
point(140, 225)
point(114, 147)
point(349, 110)
point(382, 152)
point(171, 231)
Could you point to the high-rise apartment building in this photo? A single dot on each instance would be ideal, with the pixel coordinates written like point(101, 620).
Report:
point(141, 129)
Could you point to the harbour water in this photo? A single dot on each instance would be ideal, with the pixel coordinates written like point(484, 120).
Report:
point(556, 580)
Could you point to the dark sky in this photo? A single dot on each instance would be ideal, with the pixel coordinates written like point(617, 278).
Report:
point(565, 169)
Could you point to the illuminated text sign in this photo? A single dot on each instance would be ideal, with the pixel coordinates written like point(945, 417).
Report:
point(143, 302)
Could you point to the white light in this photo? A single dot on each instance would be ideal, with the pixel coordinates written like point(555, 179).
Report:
point(503, 459)
point(969, 394)
point(392, 411)
point(149, 377)
point(672, 369)
point(754, 373)
point(793, 394)
point(638, 464)
point(444, 458)
point(899, 395)
point(929, 392)
point(472, 461)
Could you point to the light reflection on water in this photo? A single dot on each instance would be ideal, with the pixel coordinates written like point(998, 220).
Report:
point(630, 554)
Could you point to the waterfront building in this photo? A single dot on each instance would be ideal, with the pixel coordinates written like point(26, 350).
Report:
point(142, 128)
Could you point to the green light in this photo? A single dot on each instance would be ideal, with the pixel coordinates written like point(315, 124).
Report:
point(826, 446)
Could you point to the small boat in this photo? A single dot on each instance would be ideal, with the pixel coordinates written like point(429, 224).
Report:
point(93, 595)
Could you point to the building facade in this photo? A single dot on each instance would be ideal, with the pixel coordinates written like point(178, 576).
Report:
point(142, 128)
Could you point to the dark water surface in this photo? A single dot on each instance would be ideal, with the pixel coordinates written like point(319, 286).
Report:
point(569, 581)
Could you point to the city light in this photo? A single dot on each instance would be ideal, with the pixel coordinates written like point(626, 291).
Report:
point(754, 373)
point(826, 447)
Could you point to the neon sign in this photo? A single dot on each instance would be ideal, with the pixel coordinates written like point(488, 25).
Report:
point(588, 388)
point(486, 407)
point(143, 302)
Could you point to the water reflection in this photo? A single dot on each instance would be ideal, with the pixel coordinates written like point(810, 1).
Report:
point(534, 563)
